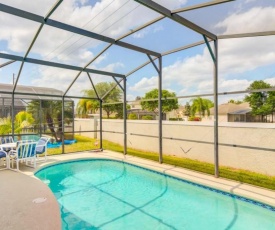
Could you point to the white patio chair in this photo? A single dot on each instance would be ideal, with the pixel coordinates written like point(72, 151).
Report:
point(41, 147)
point(25, 152)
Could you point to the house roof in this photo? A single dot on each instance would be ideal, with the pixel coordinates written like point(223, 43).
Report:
point(31, 92)
point(242, 111)
point(230, 108)
point(8, 102)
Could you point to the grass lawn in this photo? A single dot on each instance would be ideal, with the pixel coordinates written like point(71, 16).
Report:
point(245, 176)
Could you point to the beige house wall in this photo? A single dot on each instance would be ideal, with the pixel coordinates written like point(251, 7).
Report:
point(237, 140)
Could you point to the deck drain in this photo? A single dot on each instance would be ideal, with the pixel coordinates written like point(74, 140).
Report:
point(39, 200)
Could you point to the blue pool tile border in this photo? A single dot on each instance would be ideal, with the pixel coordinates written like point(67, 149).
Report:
point(257, 203)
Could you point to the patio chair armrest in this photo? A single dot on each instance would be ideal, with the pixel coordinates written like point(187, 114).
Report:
point(12, 152)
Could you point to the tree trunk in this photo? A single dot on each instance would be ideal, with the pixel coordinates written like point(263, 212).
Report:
point(59, 132)
point(50, 124)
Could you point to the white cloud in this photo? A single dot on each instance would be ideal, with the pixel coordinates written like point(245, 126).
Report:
point(111, 18)
point(192, 74)
point(184, 73)
point(107, 17)
point(110, 67)
point(61, 79)
point(236, 56)
point(235, 84)
point(147, 30)
point(157, 28)
point(271, 81)
point(142, 33)
point(255, 20)
point(41, 7)
point(171, 4)
point(101, 58)
point(145, 84)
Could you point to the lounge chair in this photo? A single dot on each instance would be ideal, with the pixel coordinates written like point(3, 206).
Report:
point(41, 147)
point(25, 152)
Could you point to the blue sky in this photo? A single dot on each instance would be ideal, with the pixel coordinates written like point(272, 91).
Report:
point(187, 72)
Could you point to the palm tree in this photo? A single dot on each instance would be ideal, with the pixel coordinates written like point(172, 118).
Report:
point(5, 125)
point(51, 115)
point(86, 106)
point(22, 120)
point(200, 105)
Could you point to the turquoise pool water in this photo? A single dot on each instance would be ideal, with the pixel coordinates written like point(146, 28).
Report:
point(107, 194)
point(28, 137)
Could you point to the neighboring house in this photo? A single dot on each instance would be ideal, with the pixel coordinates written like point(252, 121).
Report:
point(137, 109)
point(176, 113)
point(6, 105)
point(29, 93)
point(229, 108)
point(230, 112)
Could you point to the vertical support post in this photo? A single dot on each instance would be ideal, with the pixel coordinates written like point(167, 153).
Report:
point(125, 115)
point(216, 128)
point(3, 107)
point(73, 117)
point(40, 118)
point(100, 123)
point(62, 120)
point(12, 116)
point(160, 109)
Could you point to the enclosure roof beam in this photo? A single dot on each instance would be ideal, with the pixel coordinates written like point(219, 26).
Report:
point(139, 67)
point(202, 5)
point(93, 86)
point(44, 95)
point(141, 27)
point(34, 39)
point(73, 29)
point(153, 63)
point(90, 98)
point(107, 93)
point(183, 48)
point(6, 63)
point(166, 53)
point(175, 17)
point(118, 83)
point(51, 11)
point(58, 65)
point(134, 31)
point(76, 77)
point(209, 49)
point(244, 35)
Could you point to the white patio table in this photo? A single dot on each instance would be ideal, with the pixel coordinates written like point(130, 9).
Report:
point(11, 145)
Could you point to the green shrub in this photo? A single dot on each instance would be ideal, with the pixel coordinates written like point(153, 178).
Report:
point(194, 118)
point(132, 116)
point(147, 117)
point(175, 119)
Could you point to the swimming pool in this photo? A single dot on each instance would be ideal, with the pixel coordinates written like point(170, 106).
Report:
point(108, 194)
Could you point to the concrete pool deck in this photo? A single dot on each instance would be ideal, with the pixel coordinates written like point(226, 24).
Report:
point(19, 189)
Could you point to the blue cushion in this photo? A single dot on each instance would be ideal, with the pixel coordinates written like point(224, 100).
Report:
point(2, 154)
point(41, 145)
point(31, 151)
point(5, 140)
